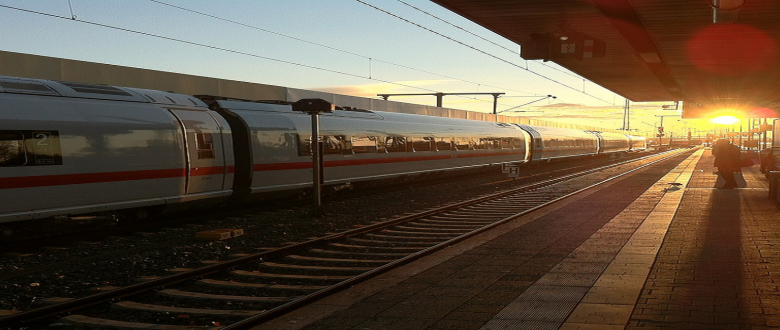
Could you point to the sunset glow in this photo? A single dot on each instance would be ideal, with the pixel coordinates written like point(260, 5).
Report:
point(725, 120)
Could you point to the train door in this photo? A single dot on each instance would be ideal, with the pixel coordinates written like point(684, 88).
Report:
point(535, 144)
point(206, 168)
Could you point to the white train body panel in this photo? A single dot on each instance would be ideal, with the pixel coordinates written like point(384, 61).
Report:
point(71, 152)
point(638, 143)
point(356, 145)
point(556, 143)
point(613, 142)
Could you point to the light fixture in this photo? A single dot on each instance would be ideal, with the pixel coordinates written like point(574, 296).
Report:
point(726, 11)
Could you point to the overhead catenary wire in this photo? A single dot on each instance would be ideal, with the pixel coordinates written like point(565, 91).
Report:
point(370, 76)
point(513, 51)
point(480, 51)
point(369, 58)
point(209, 46)
point(192, 43)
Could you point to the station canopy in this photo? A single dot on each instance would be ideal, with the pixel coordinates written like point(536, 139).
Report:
point(720, 57)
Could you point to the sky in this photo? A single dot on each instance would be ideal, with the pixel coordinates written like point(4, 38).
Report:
point(353, 47)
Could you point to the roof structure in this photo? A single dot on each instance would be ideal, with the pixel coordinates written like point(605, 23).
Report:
point(717, 56)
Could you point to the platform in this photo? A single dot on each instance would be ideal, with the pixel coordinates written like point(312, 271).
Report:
point(637, 253)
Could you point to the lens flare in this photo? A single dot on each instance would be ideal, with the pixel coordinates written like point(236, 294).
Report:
point(725, 120)
point(731, 49)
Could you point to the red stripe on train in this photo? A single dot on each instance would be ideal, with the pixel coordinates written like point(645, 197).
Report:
point(84, 178)
point(375, 161)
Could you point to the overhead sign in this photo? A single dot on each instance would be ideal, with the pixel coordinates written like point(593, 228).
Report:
point(549, 46)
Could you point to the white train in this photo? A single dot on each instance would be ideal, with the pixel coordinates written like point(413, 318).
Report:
point(73, 148)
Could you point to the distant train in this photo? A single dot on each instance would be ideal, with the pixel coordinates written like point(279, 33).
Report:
point(72, 148)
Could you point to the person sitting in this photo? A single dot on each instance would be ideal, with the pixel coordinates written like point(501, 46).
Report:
point(728, 161)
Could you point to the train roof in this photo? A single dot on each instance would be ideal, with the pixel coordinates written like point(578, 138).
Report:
point(352, 113)
point(16, 85)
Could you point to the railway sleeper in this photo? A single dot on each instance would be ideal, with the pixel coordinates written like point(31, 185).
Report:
point(289, 277)
point(311, 260)
point(318, 270)
point(438, 224)
point(149, 308)
point(427, 229)
point(392, 242)
point(457, 215)
point(497, 211)
point(511, 208)
point(458, 218)
point(426, 235)
point(373, 248)
point(413, 238)
point(448, 219)
point(261, 286)
point(98, 323)
point(393, 255)
point(171, 293)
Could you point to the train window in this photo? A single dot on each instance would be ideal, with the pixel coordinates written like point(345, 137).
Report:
point(423, 144)
point(304, 146)
point(26, 87)
point(30, 148)
point(204, 143)
point(12, 149)
point(95, 89)
point(505, 144)
point(481, 144)
point(395, 144)
point(364, 144)
point(490, 143)
point(443, 144)
point(516, 143)
point(380, 147)
point(463, 144)
point(333, 145)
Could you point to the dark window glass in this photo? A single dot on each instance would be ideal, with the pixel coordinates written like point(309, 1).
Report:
point(395, 144)
point(204, 143)
point(464, 144)
point(443, 144)
point(423, 144)
point(12, 149)
point(333, 145)
point(364, 144)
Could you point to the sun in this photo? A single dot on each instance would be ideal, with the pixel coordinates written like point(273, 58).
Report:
point(725, 120)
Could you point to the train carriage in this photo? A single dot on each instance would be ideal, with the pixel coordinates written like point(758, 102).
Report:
point(610, 143)
point(557, 143)
point(362, 145)
point(637, 143)
point(70, 148)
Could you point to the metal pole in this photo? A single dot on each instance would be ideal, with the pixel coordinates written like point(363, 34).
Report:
point(316, 164)
point(495, 102)
point(740, 133)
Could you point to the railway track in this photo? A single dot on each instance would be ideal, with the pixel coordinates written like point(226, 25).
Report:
point(254, 288)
